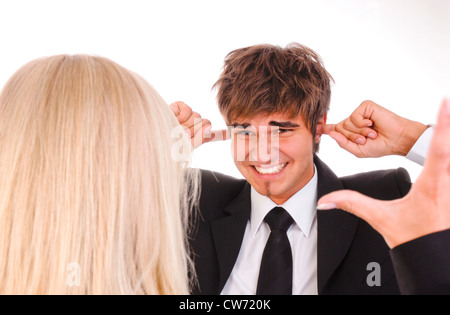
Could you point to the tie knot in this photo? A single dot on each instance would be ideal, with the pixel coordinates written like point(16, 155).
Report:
point(279, 219)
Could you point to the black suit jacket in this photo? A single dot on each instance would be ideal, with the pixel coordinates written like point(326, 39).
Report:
point(422, 265)
point(346, 244)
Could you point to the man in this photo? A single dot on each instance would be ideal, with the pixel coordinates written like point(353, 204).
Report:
point(265, 91)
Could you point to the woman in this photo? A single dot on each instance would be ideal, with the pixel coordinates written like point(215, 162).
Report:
point(89, 192)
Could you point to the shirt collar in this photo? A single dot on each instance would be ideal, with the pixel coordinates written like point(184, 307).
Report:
point(301, 206)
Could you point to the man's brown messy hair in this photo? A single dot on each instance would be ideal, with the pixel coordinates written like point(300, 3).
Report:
point(267, 79)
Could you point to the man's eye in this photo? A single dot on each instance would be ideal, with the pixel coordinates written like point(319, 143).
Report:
point(282, 130)
point(244, 133)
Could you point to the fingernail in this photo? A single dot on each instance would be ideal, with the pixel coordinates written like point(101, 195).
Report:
point(175, 109)
point(371, 135)
point(207, 132)
point(359, 141)
point(326, 206)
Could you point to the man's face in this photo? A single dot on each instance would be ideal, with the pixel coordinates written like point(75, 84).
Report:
point(274, 154)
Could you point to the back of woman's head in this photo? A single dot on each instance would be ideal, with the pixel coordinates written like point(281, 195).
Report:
point(89, 193)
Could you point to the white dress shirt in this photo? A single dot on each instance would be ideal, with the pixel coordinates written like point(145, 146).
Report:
point(419, 150)
point(302, 235)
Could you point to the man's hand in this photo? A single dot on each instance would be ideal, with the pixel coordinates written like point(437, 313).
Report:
point(198, 128)
point(426, 208)
point(374, 131)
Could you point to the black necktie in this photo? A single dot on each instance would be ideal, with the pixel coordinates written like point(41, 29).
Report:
point(275, 275)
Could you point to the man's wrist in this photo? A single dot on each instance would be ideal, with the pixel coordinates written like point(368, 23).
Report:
point(412, 133)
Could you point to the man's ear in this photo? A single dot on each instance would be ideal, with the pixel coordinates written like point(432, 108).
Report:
point(319, 127)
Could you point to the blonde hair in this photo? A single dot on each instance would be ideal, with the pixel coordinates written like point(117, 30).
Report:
point(90, 198)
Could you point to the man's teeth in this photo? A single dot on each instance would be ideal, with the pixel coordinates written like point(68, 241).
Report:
point(270, 170)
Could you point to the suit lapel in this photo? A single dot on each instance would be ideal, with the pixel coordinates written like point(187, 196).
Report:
point(228, 232)
point(336, 228)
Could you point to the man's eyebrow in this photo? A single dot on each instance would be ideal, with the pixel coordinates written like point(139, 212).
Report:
point(283, 124)
point(243, 125)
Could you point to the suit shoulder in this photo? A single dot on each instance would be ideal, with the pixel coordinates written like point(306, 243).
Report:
point(217, 189)
point(214, 180)
point(382, 184)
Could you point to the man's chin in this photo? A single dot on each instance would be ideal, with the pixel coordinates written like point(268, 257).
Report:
point(268, 189)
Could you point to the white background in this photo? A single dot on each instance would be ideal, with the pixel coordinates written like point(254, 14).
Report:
point(394, 52)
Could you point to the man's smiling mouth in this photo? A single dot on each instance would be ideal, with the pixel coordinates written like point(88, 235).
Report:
point(269, 170)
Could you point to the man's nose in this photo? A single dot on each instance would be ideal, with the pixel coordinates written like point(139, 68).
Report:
point(264, 148)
